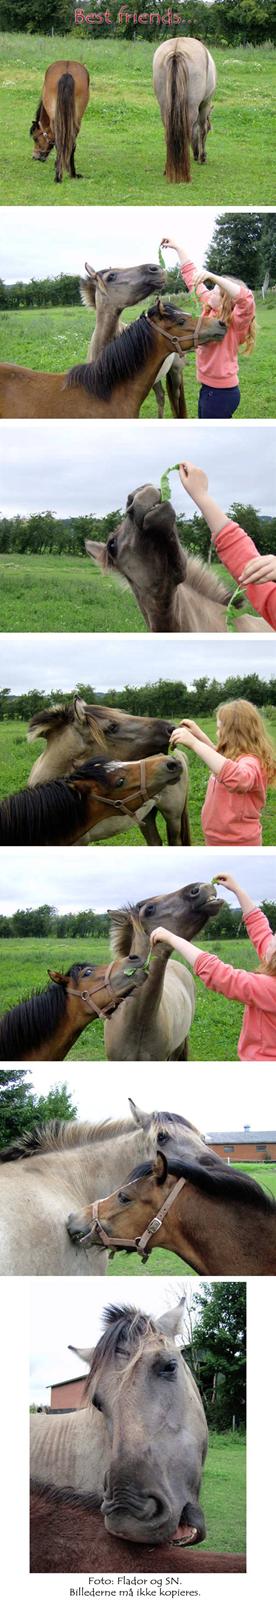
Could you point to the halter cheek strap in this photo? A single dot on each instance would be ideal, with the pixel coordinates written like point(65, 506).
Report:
point(175, 342)
point(141, 1244)
point(88, 995)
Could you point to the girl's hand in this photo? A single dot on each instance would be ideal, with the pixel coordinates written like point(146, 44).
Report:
point(228, 881)
point(182, 736)
point(262, 569)
point(194, 480)
point(170, 244)
point(160, 936)
point(187, 722)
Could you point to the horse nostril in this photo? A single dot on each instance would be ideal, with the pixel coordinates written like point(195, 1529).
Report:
point(171, 764)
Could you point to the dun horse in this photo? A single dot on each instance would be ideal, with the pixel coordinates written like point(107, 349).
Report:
point(64, 98)
point(158, 1030)
point(184, 79)
point(139, 1392)
point(75, 732)
point(187, 1200)
point(109, 293)
point(45, 1027)
point(175, 592)
point(118, 382)
point(83, 805)
point(56, 1168)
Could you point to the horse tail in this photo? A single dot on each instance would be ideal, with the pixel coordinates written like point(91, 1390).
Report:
point(185, 825)
point(176, 396)
point(176, 119)
point(64, 122)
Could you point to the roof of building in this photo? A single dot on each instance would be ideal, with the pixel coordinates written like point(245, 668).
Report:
point(244, 1136)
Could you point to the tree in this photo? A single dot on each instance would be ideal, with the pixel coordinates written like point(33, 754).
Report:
point(245, 246)
point(216, 1353)
point(21, 1110)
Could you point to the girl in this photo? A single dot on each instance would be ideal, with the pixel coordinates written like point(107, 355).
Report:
point(242, 764)
point(257, 1041)
point(217, 364)
point(234, 547)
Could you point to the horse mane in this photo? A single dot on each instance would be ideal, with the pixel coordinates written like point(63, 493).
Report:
point(125, 1330)
point(59, 1135)
point(123, 925)
point(205, 581)
point(37, 116)
point(119, 360)
point(32, 1020)
point(214, 1177)
point(41, 815)
point(42, 721)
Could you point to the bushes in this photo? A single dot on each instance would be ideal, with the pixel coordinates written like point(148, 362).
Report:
point(233, 22)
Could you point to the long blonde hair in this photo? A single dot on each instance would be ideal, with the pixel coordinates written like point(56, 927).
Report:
point(226, 312)
point(242, 732)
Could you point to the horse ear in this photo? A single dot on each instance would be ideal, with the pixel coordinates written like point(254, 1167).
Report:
point(171, 1321)
point(90, 270)
point(83, 1353)
point(142, 1118)
point(161, 308)
point(57, 977)
point(160, 1166)
point(79, 708)
point(97, 551)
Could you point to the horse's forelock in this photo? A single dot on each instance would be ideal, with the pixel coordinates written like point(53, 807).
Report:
point(126, 1331)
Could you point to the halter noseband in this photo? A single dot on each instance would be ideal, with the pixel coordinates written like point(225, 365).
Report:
point(141, 1245)
point(175, 341)
point(138, 794)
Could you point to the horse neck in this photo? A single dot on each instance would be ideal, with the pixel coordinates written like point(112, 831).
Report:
point(193, 611)
point(92, 1170)
point(67, 1031)
point(130, 394)
point(216, 1234)
point(107, 327)
point(70, 1451)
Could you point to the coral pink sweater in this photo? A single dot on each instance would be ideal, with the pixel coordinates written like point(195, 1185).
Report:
point(257, 1041)
point(235, 548)
point(234, 800)
point(217, 364)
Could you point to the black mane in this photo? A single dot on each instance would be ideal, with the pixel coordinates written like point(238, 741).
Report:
point(214, 1176)
point(120, 359)
point(47, 813)
point(33, 1020)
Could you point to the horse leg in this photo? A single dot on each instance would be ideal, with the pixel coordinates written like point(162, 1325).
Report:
point(72, 169)
point(160, 397)
point(58, 169)
point(149, 829)
point(182, 1054)
point(196, 139)
point(175, 388)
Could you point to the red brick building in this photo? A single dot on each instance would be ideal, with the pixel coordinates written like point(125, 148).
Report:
point(245, 1146)
point(69, 1395)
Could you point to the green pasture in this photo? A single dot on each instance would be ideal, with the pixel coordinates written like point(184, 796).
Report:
point(215, 1031)
point(223, 1495)
point(56, 338)
point(68, 594)
point(17, 758)
point(121, 149)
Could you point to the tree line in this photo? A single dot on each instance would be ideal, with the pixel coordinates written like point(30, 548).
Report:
point(43, 533)
point(21, 1109)
point(242, 244)
point(216, 1353)
point(42, 922)
point(161, 699)
point(233, 22)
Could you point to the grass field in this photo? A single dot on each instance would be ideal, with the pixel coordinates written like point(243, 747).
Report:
point(68, 594)
point(121, 149)
point(55, 339)
point(215, 1031)
point(223, 1495)
point(17, 758)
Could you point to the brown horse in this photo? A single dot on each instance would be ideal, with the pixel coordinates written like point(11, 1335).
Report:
point(187, 1200)
point(93, 796)
point(45, 1027)
point(108, 293)
point(175, 592)
point(73, 732)
point(64, 98)
point(184, 79)
point(66, 1535)
point(118, 382)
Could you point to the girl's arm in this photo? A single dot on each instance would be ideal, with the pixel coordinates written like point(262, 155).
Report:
point(206, 751)
point(233, 545)
point(188, 270)
point(230, 883)
point(196, 730)
point(247, 987)
point(185, 948)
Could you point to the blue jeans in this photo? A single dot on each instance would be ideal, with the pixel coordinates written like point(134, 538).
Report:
point(218, 402)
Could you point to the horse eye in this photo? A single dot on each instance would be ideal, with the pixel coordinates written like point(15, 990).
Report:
point(119, 783)
point(112, 548)
point(165, 1369)
point(112, 727)
point(162, 1138)
point(123, 1198)
point(110, 277)
point(97, 1402)
point(148, 911)
point(87, 971)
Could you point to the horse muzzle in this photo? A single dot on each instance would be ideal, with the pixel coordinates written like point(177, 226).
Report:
point(142, 1518)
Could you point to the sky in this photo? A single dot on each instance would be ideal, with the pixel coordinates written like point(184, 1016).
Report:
point(73, 879)
point(60, 1316)
point(223, 1098)
point(61, 661)
point(40, 245)
point(77, 469)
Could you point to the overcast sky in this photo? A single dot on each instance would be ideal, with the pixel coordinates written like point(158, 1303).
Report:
point(72, 879)
point(225, 1097)
point(77, 468)
point(60, 1316)
point(61, 661)
point(36, 245)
